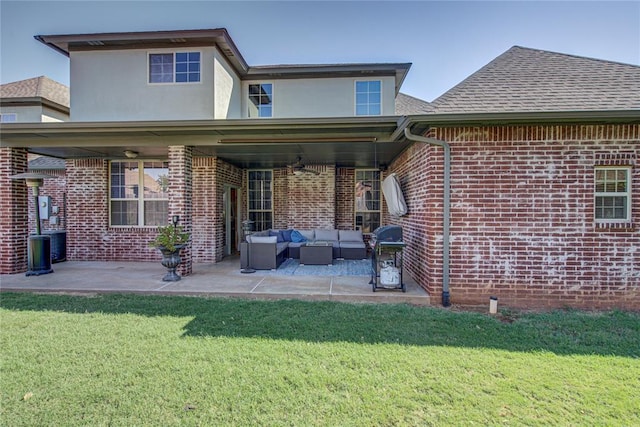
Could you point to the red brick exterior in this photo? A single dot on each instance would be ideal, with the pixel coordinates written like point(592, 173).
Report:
point(522, 221)
point(522, 204)
point(13, 205)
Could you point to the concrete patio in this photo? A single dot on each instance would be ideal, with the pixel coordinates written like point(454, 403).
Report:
point(222, 279)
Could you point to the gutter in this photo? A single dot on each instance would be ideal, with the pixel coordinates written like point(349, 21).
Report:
point(446, 207)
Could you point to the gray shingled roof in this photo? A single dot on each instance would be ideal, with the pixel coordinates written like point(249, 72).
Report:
point(46, 163)
point(523, 79)
point(42, 87)
point(406, 105)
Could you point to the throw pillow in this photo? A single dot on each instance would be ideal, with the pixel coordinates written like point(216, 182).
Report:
point(297, 237)
point(286, 234)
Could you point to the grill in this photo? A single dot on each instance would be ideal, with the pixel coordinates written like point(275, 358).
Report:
point(386, 258)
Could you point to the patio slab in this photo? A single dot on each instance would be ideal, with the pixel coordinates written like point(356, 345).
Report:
point(222, 279)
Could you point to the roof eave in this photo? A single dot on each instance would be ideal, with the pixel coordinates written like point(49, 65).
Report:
point(536, 117)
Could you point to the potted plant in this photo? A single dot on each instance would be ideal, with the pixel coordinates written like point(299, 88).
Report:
point(170, 240)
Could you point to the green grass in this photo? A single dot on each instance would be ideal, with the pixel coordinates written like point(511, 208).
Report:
point(126, 360)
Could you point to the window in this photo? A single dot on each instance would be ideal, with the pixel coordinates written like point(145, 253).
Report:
point(368, 98)
point(8, 117)
point(367, 200)
point(260, 100)
point(613, 194)
point(179, 67)
point(261, 199)
point(139, 193)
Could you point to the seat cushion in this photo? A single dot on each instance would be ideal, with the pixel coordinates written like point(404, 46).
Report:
point(328, 235)
point(352, 245)
point(350, 235)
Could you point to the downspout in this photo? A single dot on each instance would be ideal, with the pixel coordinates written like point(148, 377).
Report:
point(446, 208)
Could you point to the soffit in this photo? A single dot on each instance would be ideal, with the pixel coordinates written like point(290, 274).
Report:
point(260, 143)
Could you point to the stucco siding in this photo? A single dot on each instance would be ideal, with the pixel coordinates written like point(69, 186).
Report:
point(332, 97)
point(227, 89)
point(113, 86)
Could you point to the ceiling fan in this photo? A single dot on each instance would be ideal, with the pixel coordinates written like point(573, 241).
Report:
point(298, 168)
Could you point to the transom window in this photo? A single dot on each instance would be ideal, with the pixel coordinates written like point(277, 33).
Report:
point(177, 67)
point(613, 194)
point(261, 100)
point(368, 98)
point(8, 117)
point(367, 200)
point(139, 193)
point(261, 199)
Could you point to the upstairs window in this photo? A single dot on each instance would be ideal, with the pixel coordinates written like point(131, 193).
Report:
point(8, 117)
point(178, 67)
point(139, 193)
point(613, 194)
point(260, 100)
point(368, 98)
point(367, 200)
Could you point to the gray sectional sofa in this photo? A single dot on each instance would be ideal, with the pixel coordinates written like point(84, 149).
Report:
point(266, 250)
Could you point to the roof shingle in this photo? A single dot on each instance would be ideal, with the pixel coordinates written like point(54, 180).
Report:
point(527, 80)
point(42, 87)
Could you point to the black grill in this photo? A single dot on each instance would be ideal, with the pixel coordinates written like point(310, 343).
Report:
point(386, 257)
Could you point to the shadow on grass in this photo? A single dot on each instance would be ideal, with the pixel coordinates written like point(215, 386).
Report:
point(559, 332)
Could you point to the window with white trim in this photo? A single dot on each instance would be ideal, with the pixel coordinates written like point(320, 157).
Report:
point(174, 67)
point(368, 98)
point(8, 117)
point(367, 200)
point(260, 100)
point(612, 194)
point(260, 199)
point(139, 193)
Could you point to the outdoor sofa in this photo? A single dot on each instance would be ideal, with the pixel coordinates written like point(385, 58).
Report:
point(266, 250)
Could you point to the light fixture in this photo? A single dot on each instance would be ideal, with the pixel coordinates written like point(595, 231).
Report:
point(131, 154)
point(297, 172)
point(175, 219)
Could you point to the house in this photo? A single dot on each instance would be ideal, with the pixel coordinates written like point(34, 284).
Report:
point(541, 207)
point(39, 99)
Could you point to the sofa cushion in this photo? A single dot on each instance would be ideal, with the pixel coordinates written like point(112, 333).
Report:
point(262, 239)
point(329, 235)
point(278, 234)
point(350, 236)
point(286, 234)
point(297, 237)
point(308, 234)
point(351, 244)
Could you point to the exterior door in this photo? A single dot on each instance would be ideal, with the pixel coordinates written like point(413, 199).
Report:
point(231, 220)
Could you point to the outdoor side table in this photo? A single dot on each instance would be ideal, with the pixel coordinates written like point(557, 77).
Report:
point(316, 253)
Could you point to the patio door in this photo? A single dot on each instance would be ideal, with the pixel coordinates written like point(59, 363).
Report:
point(231, 222)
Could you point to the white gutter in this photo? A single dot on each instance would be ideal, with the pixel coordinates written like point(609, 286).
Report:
point(446, 208)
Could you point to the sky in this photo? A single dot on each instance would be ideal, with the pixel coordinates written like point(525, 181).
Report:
point(446, 41)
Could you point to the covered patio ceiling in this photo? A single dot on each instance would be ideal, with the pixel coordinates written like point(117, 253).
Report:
point(361, 142)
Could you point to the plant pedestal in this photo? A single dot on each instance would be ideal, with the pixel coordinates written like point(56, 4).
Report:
point(171, 260)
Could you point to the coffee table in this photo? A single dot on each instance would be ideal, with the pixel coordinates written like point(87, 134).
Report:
point(316, 253)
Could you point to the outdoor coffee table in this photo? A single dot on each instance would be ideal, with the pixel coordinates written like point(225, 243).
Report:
point(316, 253)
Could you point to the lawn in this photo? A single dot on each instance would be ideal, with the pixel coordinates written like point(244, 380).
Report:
point(130, 360)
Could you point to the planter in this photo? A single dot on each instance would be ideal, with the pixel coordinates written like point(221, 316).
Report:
point(171, 260)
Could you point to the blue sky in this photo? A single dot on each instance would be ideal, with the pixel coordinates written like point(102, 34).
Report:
point(445, 40)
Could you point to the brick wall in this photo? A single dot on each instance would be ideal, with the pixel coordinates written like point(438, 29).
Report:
point(311, 199)
point(345, 196)
point(522, 225)
point(14, 208)
point(181, 197)
point(56, 188)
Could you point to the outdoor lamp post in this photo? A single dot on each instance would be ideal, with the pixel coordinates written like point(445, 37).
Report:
point(38, 246)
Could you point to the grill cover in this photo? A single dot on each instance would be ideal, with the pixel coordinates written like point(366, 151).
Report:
point(388, 233)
